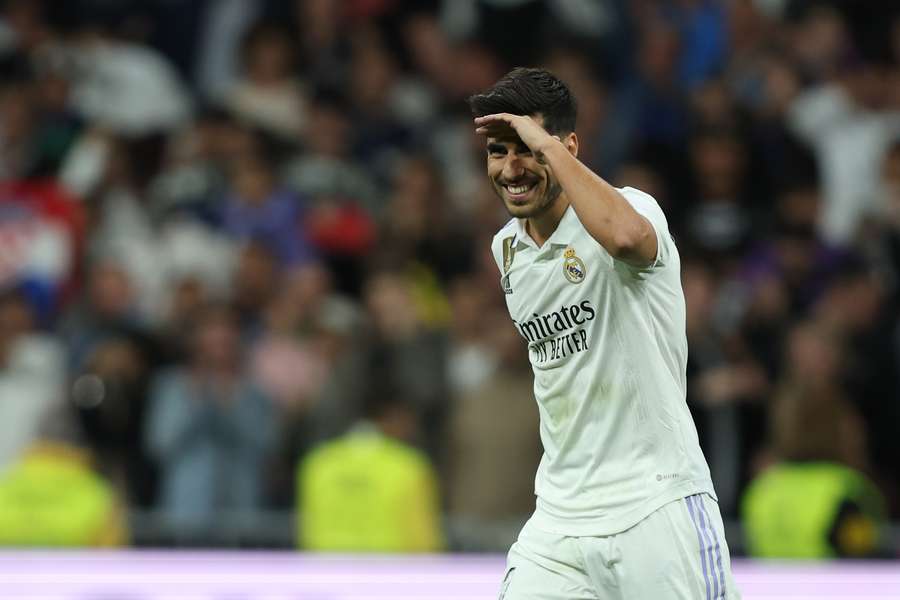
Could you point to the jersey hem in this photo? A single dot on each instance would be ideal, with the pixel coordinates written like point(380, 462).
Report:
point(592, 527)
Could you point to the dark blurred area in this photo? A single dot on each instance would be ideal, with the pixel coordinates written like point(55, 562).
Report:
point(245, 265)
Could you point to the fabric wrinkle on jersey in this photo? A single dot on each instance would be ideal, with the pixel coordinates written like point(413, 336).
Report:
point(608, 349)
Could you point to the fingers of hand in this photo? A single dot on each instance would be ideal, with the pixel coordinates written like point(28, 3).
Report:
point(505, 117)
point(494, 128)
point(496, 124)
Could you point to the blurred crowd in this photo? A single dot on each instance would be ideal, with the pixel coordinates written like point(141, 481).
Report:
point(239, 241)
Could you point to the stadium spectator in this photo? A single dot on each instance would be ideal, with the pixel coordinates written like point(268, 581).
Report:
point(815, 501)
point(32, 375)
point(268, 96)
point(210, 428)
point(493, 421)
point(370, 490)
point(408, 312)
point(257, 210)
point(52, 497)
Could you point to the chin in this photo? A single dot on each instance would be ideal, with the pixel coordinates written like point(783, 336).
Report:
point(520, 212)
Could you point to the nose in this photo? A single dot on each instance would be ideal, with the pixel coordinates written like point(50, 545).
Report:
point(513, 168)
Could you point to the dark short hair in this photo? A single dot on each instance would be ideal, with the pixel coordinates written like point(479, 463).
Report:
point(528, 91)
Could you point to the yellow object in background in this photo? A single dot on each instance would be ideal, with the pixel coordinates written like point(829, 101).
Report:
point(809, 510)
point(52, 498)
point(368, 492)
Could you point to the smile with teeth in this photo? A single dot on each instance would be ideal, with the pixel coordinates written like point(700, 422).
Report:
point(519, 189)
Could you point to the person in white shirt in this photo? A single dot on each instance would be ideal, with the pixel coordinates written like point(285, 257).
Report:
point(591, 275)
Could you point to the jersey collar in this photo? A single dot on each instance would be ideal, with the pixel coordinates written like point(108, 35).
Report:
point(563, 235)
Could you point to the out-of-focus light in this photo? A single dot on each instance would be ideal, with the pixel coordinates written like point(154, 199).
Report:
point(88, 391)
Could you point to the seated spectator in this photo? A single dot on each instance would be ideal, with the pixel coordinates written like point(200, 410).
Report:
point(369, 490)
point(52, 497)
point(210, 428)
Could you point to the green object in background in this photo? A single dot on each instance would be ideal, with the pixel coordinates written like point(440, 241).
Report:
point(368, 492)
point(812, 510)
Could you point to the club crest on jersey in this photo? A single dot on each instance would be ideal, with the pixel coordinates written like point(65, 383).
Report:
point(573, 267)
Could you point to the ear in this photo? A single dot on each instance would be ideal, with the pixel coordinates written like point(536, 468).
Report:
point(571, 143)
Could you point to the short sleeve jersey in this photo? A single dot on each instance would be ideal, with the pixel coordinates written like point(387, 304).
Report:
point(608, 348)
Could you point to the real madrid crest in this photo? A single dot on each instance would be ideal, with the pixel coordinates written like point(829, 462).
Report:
point(573, 267)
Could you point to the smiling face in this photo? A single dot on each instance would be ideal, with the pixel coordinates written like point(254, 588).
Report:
point(526, 186)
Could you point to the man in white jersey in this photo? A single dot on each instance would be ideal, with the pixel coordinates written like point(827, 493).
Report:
point(625, 504)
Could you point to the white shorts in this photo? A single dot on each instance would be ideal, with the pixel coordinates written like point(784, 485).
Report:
point(677, 552)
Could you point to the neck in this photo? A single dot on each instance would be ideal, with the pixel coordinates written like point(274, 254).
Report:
point(541, 227)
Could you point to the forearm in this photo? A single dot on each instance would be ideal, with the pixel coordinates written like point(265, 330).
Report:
point(606, 215)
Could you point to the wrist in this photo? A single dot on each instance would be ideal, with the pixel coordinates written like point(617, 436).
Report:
point(550, 149)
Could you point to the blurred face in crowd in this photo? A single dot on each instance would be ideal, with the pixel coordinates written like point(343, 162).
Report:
point(718, 161)
point(712, 103)
point(269, 58)
point(527, 187)
point(469, 302)
point(814, 356)
point(869, 85)
point(658, 53)
point(329, 131)
point(300, 298)
point(796, 241)
point(890, 182)
point(252, 180)
point(110, 290)
point(643, 177)
point(415, 207)
point(318, 21)
point(372, 74)
point(188, 295)
point(255, 277)
point(16, 319)
point(216, 340)
point(16, 115)
point(391, 305)
point(853, 304)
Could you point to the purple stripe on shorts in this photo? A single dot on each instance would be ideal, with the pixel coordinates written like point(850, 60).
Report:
point(690, 505)
point(718, 549)
point(698, 500)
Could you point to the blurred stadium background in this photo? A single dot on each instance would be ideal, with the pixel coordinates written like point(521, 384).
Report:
point(247, 300)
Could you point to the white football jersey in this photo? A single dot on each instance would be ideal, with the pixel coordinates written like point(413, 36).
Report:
point(607, 344)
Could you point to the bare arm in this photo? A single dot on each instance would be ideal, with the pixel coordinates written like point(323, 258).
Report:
point(606, 215)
